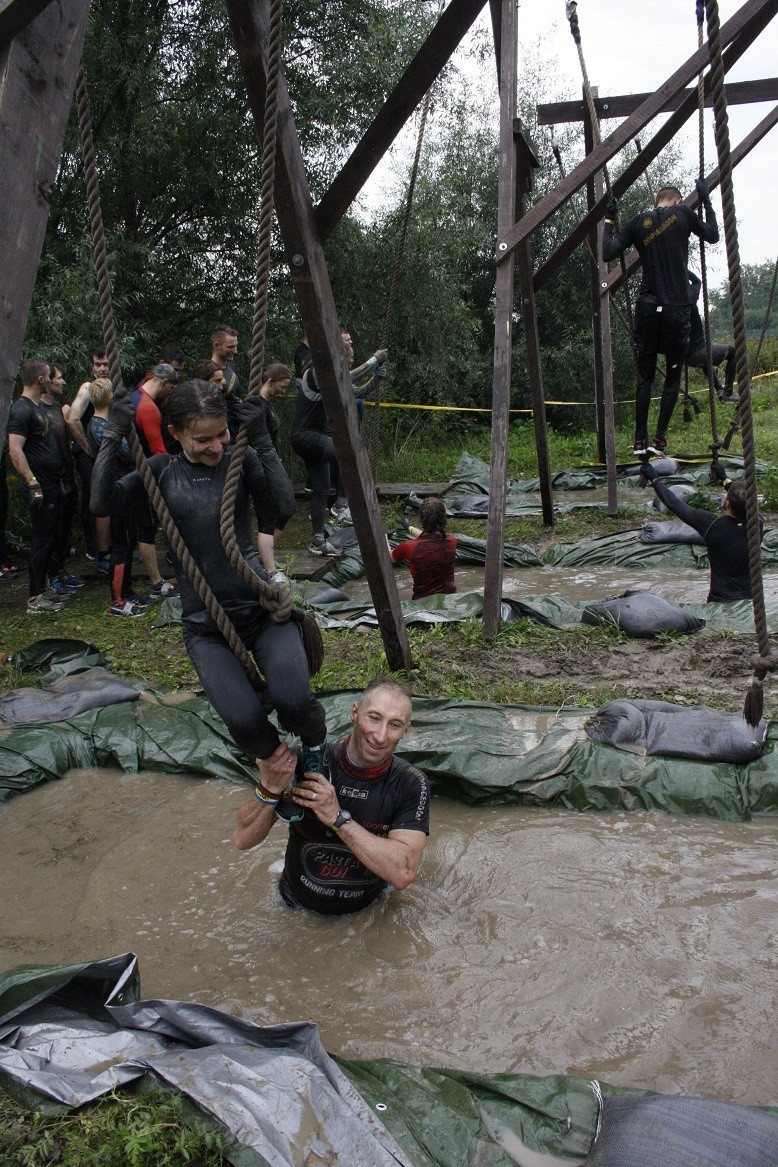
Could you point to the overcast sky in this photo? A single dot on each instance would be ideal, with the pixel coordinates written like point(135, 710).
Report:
point(632, 47)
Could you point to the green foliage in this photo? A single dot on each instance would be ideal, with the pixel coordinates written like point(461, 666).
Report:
point(768, 486)
point(121, 1130)
point(757, 286)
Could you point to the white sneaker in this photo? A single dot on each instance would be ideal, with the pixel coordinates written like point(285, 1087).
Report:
point(342, 515)
point(44, 603)
point(320, 545)
point(278, 577)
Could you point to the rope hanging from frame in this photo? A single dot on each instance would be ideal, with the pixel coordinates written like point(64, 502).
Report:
point(374, 424)
point(767, 660)
point(715, 443)
point(108, 326)
point(572, 17)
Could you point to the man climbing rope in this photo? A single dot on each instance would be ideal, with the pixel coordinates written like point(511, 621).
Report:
point(662, 314)
point(725, 535)
point(363, 823)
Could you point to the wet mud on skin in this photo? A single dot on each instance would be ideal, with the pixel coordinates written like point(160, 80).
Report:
point(635, 948)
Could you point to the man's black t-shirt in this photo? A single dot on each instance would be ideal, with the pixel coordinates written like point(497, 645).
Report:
point(320, 872)
point(41, 448)
point(661, 237)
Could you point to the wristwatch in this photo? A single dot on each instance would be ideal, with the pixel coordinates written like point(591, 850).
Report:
point(344, 816)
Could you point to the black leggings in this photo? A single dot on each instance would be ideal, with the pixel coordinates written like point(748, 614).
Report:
point(318, 452)
point(659, 330)
point(279, 652)
point(44, 519)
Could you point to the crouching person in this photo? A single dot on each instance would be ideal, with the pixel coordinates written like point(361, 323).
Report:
point(357, 825)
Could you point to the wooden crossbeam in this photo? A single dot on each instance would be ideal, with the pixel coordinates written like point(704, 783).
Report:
point(556, 113)
point(651, 149)
point(37, 78)
point(250, 21)
point(750, 14)
point(15, 15)
point(399, 106)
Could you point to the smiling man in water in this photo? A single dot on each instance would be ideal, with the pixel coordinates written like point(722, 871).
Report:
point(357, 827)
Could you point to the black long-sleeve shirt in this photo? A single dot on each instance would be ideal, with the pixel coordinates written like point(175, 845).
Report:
point(726, 540)
point(661, 236)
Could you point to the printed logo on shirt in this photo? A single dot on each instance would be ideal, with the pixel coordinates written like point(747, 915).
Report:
point(331, 865)
point(647, 223)
point(352, 792)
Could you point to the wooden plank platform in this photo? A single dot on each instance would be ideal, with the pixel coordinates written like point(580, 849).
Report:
point(392, 489)
point(304, 566)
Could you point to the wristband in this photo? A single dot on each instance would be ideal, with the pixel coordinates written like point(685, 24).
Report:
point(33, 482)
point(266, 797)
point(372, 362)
point(610, 222)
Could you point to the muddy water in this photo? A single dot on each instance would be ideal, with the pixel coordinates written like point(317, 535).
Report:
point(635, 948)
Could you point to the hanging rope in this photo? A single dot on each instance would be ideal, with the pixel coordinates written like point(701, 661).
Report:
point(572, 16)
point(108, 325)
point(275, 599)
point(766, 661)
point(767, 315)
point(374, 425)
point(715, 444)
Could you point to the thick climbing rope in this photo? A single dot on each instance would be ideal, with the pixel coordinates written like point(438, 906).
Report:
point(108, 325)
point(572, 17)
point(767, 660)
point(715, 444)
point(274, 598)
point(374, 431)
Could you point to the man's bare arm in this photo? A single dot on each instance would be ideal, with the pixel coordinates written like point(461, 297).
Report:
point(76, 412)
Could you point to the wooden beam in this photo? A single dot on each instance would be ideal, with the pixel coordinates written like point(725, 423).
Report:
point(737, 92)
point(294, 210)
point(37, 78)
point(503, 326)
point(643, 160)
point(15, 15)
point(433, 55)
point(615, 278)
point(744, 18)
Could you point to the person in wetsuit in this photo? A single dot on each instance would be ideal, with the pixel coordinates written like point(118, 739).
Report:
point(192, 484)
point(430, 556)
point(662, 313)
point(362, 825)
point(725, 535)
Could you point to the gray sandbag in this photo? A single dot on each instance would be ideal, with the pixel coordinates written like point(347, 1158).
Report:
point(665, 468)
point(683, 1132)
point(641, 615)
point(682, 490)
point(468, 504)
point(671, 531)
point(343, 537)
point(659, 728)
point(64, 698)
point(321, 593)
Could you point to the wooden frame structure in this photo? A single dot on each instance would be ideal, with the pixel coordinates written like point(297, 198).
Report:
point(40, 49)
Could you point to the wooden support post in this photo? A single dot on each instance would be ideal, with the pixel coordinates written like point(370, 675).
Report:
point(595, 296)
point(37, 78)
point(503, 326)
point(310, 279)
point(603, 343)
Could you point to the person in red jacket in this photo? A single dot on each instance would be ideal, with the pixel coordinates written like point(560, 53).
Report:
point(431, 555)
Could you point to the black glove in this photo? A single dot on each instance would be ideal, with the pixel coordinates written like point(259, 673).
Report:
point(35, 495)
point(121, 415)
point(251, 412)
point(720, 472)
point(611, 211)
point(648, 471)
point(703, 190)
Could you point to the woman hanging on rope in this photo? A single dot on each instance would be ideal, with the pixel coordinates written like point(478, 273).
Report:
point(192, 484)
point(725, 535)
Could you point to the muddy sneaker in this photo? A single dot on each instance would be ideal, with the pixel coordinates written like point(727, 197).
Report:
point(659, 446)
point(72, 581)
point(139, 600)
point(640, 449)
point(126, 608)
point(342, 515)
point(163, 590)
point(320, 545)
point(314, 759)
point(44, 603)
point(59, 588)
point(278, 577)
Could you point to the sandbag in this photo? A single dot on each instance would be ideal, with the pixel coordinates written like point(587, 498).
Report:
point(93, 688)
point(683, 1132)
point(641, 615)
point(682, 490)
point(322, 593)
point(672, 531)
point(676, 731)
